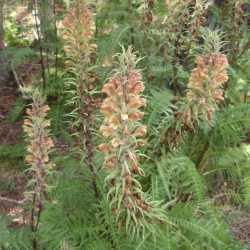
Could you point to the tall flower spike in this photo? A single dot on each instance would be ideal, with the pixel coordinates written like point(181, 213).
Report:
point(36, 126)
point(123, 132)
point(79, 30)
point(80, 50)
point(205, 87)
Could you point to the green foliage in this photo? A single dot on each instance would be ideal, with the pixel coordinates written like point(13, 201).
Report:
point(73, 208)
point(231, 126)
point(16, 56)
point(12, 239)
point(75, 218)
point(178, 178)
point(160, 115)
point(12, 151)
point(12, 34)
point(187, 169)
point(201, 231)
point(17, 110)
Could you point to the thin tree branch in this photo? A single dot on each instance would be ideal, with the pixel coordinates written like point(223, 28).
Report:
point(9, 200)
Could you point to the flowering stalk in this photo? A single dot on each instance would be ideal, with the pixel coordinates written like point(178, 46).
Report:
point(36, 126)
point(205, 88)
point(79, 30)
point(198, 19)
point(123, 131)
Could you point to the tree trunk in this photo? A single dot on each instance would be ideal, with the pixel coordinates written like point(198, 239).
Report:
point(4, 66)
point(1, 25)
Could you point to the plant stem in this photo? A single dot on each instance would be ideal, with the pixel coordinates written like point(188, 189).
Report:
point(202, 156)
point(32, 223)
point(130, 13)
point(40, 43)
point(56, 35)
point(90, 154)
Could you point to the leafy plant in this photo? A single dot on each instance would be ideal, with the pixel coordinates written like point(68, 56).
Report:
point(36, 127)
point(79, 31)
point(122, 128)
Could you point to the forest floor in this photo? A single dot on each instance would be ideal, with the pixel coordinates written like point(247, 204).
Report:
point(13, 181)
point(239, 221)
point(9, 131)
point(12, 178)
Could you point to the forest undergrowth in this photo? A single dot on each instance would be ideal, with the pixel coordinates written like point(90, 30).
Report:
point(124, 124)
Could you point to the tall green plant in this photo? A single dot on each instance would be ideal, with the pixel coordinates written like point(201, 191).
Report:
point(36, 126)
point(122, 129)
point(80, 49)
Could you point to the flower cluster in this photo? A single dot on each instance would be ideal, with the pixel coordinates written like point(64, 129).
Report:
point(123, 131)
point(205, 87)
point(198, 17)
point(79, 23)
point(40, 144)
point(80, 51)
point(175, 8)
point(79, 29)
point(36, 126)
